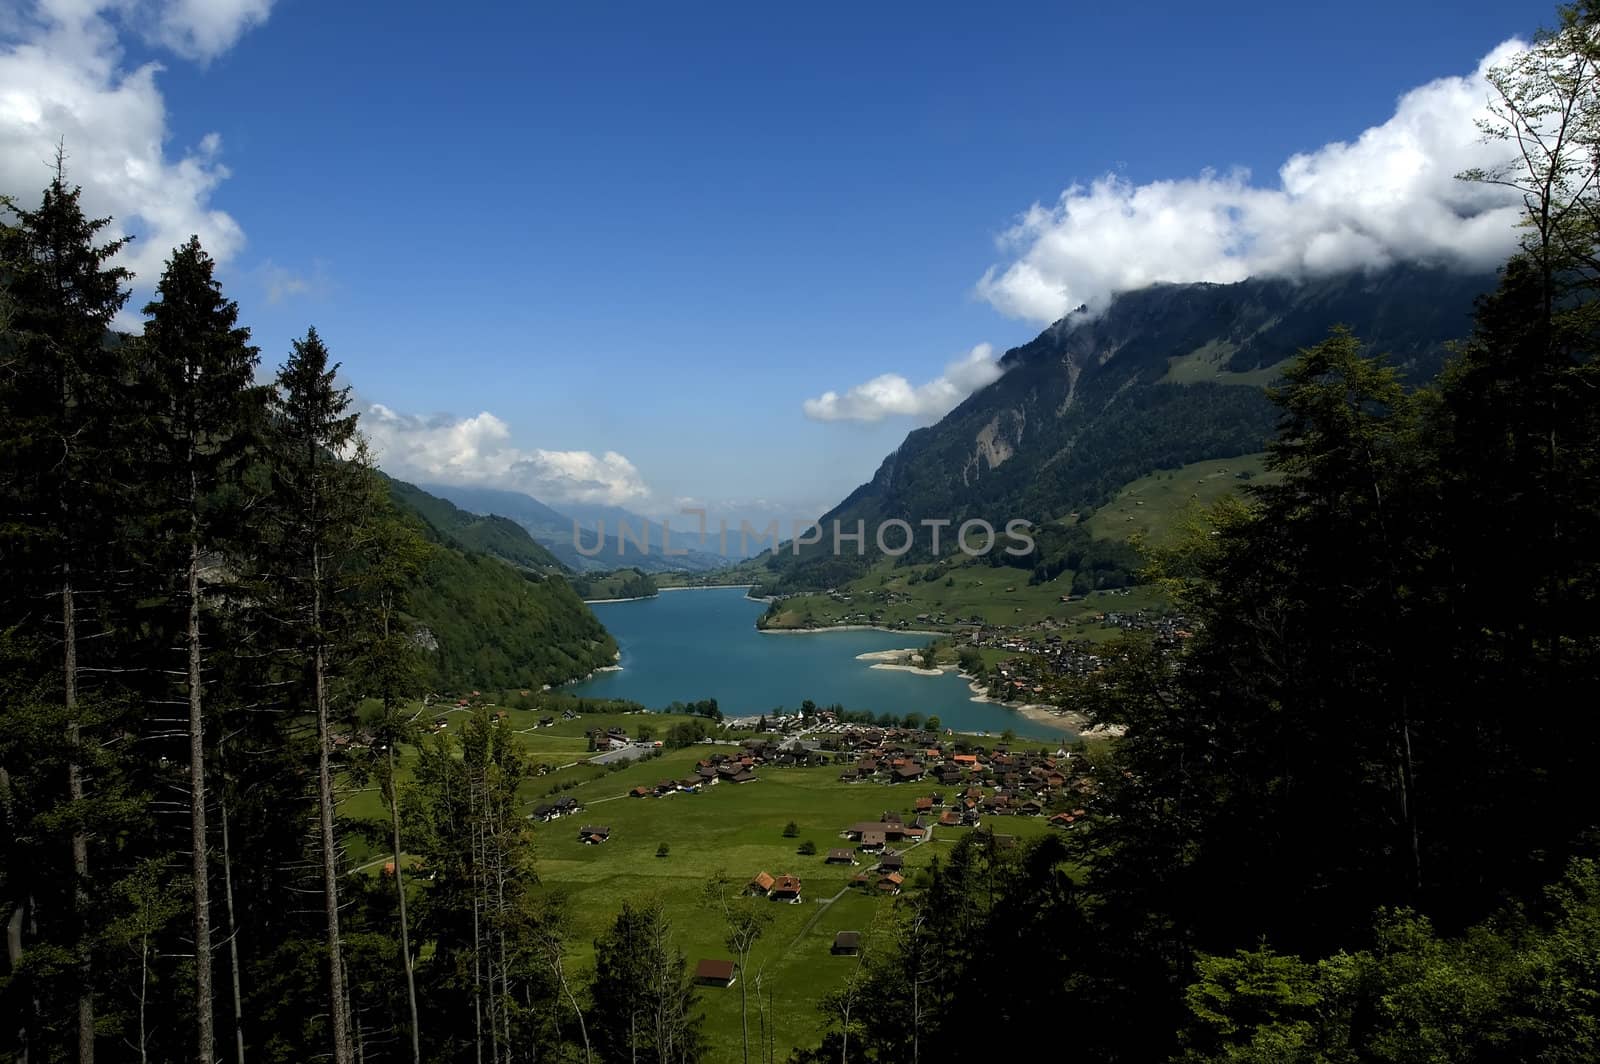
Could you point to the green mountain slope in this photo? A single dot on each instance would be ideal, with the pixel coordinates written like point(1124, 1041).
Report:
point(497, 615)
point(1166, 376)
point(497, 536)
point(554, 531)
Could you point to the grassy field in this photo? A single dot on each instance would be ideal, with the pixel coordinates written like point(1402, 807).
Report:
point(737, 829)
point(1155, 508)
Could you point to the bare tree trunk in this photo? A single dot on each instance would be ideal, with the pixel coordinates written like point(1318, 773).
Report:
point(477, 947)
point(144, 984)
point(330, 861)
point(400, 898)
point(561, 978)
point(14, 956)
point(233, 937)
point(205, 1036)
point(80, 841)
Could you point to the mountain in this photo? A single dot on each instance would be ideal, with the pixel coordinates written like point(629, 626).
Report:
point(1165, 376)
point(491, 534)
point(553, 530)
point(491, 606)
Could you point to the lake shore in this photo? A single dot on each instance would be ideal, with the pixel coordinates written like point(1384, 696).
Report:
point(635, 598)
point(845, 628)
point(1035, 712)
point(705, 587)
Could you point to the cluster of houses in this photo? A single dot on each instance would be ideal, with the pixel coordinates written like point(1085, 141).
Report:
point(873, 839)
point(548, 811)
point(708, 772)
point(783, 888)
point(603, 739)
point(1027, 783)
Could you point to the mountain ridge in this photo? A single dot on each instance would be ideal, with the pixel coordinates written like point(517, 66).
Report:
point(1165, 376)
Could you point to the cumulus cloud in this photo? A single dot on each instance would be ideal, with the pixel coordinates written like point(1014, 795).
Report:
point(891, 394)
point(64, 80)
point(1390, 195)
point(478, 450)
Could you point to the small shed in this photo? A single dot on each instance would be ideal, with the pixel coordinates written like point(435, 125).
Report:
point(714, 973)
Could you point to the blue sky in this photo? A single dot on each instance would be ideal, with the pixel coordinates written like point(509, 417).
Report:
point(658, 231)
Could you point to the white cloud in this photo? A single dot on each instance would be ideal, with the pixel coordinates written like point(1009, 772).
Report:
point(478, 450)
point(204, 29)
point(63, 80)
point(281, 283)
point(1390, 195)
point(891, 394)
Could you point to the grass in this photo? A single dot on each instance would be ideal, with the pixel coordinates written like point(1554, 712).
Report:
point(1155, 507)
point(737, 829)
point(1204, 364)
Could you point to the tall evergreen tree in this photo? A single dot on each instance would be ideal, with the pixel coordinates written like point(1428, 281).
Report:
point(202, 408)
point(61, 454)
point(320, 469)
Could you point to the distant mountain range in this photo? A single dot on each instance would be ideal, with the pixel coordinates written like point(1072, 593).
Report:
point(553, 530)
point(1165, 376)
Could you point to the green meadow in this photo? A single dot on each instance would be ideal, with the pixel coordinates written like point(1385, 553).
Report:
point(733, 828)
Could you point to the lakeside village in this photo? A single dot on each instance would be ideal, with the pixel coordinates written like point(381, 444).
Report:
point(1043, 653)
point(974, 781)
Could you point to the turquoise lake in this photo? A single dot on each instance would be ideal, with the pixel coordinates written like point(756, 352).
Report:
point(688, 645)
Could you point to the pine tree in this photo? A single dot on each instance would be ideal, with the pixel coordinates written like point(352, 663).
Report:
point(319, 467)
point(196, 377)
point(61, 450)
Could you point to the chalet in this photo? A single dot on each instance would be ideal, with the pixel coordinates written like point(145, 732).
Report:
point(841, 856)
point(545, 812)
point(689, 784)
point(1032, 807)
point(714, 973)
point(1062, 820)
point(746, 776)
point(706, 773)
point(873, 840)
point(846, 944)
point(891, 861)
point(923, 805)
point(787, 888)
point(593, 835)
point(666, 787)
point(639, 792)
point(762, 884)
point(891, 882)
point(950, 819)
point(908, 772)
